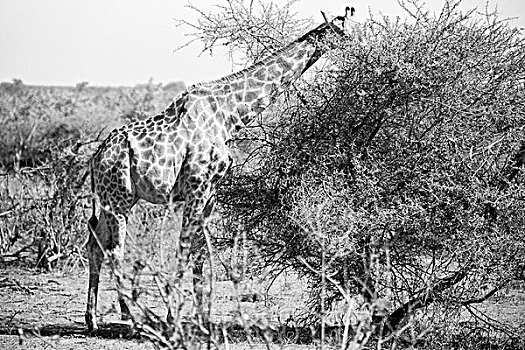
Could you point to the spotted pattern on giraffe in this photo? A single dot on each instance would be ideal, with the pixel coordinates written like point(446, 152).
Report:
point(181, 154)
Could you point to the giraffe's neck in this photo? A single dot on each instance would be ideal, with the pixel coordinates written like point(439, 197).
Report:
point(242, 95)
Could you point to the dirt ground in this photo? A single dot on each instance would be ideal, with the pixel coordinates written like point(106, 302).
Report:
point(46, 311)
point(49, 308)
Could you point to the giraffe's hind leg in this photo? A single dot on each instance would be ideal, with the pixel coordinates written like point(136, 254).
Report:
point(97, 239)
point(106, 239)
point(116, 253)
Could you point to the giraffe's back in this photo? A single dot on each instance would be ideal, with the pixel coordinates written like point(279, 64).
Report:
point(164, 157)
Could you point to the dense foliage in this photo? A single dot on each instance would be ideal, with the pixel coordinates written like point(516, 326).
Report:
point(394, 174)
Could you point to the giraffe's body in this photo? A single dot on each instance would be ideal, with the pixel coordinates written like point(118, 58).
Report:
point(180, 154)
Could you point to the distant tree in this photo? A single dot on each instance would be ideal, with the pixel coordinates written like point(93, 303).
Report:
point(16, 86)
point(81, 86)
point(18, 82)
point(175, 86)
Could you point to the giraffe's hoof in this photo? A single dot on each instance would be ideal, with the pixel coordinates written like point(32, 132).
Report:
point(91, 323)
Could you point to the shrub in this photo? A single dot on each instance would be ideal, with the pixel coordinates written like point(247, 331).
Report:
point(47, 137)
point(393, 176)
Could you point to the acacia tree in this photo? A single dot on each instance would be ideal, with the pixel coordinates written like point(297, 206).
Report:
point(393, 175)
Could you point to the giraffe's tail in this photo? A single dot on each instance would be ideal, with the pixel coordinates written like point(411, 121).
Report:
point(93, 220)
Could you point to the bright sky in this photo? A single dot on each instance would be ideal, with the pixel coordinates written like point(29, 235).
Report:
point(127, 42)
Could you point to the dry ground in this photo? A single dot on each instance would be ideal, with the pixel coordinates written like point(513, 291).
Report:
point(50, 308)
point(46, 311)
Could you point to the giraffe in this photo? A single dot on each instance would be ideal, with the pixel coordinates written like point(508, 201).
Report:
point(179, 155)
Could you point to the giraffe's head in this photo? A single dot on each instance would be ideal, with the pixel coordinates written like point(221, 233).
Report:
point(344, 26)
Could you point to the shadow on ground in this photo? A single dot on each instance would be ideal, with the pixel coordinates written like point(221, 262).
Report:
point(235, 332)
point(109, 331)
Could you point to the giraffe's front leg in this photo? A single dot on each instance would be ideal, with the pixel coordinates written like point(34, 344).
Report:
point(176, 299)
point(199, 251)
point(191, 226)
point(199, 256)
point(197, 187)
